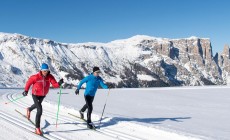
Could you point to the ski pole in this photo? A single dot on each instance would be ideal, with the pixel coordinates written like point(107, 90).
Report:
point(15, 99)
point(103, 110)
point(58, 105)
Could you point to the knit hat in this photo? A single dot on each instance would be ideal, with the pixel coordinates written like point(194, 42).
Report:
point(96, 69)
point(44, 66)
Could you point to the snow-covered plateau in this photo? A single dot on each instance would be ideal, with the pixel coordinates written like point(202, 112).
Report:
point(184, 113)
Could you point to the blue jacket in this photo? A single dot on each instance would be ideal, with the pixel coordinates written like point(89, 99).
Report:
point(92, 83)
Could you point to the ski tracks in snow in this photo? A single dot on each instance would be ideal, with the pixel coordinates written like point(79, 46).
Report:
point(70, 127)
point(64, 120)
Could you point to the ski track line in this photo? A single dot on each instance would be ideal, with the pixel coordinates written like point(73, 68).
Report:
point(19, 126)
point(52, 116)
point(80, 124)
point(119, 134)
point(107, 132)
point(115, 133)
point(23, 125)
point(50, 134)
point(27, 125)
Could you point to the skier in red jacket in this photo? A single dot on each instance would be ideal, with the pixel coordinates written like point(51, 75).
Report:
point(41, 84)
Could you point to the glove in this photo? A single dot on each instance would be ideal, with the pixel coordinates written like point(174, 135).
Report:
point(24, 93)
point(60, 82)
point(77, 92)
point(110, 86)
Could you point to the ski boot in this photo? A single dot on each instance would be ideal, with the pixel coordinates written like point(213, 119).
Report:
point(38, 131)
point(90, 126)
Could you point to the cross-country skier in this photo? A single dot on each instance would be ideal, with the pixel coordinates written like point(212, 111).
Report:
point(92, 82)
point(41, 84)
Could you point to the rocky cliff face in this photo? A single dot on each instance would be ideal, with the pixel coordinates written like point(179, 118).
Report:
point(140, 61)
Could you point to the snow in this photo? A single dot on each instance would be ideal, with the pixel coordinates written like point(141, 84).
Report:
point(228, 79)
point(187, 66)
point(154, 58)
point(146, 52)
point(116, 79)
point(181, 113)
point(145, 77)
point(132, 41)
point(191, 38)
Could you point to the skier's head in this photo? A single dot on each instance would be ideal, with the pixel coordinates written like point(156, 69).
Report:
point(44, 69)
point(96, 71)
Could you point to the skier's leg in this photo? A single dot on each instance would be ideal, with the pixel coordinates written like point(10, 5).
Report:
point(84, 108)
point(38, 115)
point(37, 101)
point(32, 107)
point(39, 111)
point(89, 102)
point(81, 112)
point(29, 109)
point(36, 104)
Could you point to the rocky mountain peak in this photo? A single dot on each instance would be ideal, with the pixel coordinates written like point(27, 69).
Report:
point(226, 51)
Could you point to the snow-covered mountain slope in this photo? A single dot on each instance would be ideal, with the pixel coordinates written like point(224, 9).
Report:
point(139, 61)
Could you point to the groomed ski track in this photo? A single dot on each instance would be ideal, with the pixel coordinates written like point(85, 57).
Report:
point(69, 127)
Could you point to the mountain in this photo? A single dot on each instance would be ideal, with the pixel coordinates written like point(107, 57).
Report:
point(139, 61)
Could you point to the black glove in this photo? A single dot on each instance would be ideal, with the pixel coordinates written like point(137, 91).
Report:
point(61, 82)
point(110, 86)
point(77, 92)
point(24, 93)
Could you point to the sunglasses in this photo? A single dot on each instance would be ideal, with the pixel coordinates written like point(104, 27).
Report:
point(44, 70)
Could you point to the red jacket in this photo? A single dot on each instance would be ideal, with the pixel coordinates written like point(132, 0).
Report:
point(41, 84)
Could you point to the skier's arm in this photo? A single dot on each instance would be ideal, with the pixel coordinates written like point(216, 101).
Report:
point(30, 81)
point(82, 82)
point(54, 82)
point(103, 85)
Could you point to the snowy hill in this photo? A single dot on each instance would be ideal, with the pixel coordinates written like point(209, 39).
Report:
point(139, 61)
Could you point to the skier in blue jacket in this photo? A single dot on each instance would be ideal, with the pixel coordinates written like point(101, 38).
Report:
point(92, 82)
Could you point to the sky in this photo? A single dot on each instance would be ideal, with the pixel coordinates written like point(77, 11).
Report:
point(77, 21)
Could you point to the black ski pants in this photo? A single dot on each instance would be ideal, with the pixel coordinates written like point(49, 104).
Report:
point(89, 106)
point(37, 104)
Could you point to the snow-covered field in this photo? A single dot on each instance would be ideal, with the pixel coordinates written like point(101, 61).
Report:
point(185, 113)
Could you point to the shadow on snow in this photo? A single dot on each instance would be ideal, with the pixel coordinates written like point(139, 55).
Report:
point(116, 120)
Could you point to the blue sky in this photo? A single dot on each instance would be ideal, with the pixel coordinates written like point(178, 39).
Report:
point(74, 21)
